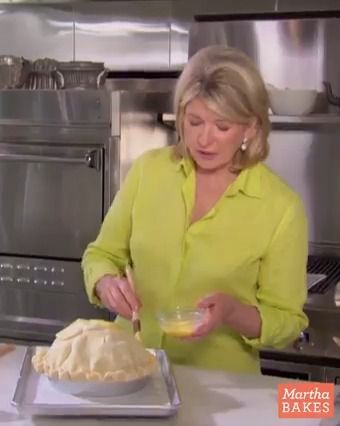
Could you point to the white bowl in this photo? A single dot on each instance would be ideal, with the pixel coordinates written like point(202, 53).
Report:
point(98, 389)
point(292, 102)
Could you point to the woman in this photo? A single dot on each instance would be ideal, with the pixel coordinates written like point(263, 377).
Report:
point(207, 224)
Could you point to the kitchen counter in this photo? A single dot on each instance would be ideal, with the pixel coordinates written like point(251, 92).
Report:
point(208, 397)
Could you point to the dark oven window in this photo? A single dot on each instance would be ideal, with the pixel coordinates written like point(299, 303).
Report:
point(286, 374)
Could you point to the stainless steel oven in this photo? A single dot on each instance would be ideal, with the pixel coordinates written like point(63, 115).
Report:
point(53, 171)
point(63, 155)
point(314, 356)
point(293, 370)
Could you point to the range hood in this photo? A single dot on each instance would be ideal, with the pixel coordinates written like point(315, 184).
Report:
point(199, 9)
point(129, 35)
point(217, 7)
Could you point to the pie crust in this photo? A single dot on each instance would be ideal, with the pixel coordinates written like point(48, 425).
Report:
point(94, 350)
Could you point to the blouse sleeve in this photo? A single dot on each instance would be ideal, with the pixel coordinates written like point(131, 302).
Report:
point(109, 253)
point(282, 289)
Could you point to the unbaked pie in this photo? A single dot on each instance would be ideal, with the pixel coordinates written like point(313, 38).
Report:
point(94, 350)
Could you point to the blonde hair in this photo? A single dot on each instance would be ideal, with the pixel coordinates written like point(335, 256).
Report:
point(230, 84)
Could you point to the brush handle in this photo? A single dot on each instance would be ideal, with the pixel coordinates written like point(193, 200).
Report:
point(129, 276)
point(136, 324)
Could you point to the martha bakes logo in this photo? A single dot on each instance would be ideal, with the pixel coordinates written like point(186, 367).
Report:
point(306, 400)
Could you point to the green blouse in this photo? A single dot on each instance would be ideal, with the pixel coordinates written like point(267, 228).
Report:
point(252, 244)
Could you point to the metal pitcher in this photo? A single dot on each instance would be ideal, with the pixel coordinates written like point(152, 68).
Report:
point(332, 99)
point(13, 71)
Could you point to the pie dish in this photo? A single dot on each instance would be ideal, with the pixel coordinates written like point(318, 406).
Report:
point(94, 351)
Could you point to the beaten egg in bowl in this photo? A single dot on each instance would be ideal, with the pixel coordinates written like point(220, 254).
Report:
point(180, 322)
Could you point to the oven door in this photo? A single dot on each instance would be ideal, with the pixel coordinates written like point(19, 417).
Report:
point(292, 370)
point(333, 375)
point(51, 199)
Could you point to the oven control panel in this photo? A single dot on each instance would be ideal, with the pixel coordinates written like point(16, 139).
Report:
point(30, 273)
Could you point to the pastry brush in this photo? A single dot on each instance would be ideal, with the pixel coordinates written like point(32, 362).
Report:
point(136, 324)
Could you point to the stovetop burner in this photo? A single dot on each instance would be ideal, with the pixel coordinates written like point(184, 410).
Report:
point(330, 266)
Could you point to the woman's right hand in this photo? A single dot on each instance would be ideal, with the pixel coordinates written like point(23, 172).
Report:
point(117, 296)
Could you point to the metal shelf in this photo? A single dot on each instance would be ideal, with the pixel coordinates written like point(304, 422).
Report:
point(304, 122)
point(282, 122)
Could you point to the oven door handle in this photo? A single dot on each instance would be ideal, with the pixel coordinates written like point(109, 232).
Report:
point(91, 159)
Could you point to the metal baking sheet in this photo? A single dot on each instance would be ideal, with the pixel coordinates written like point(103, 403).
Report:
point(34, 395)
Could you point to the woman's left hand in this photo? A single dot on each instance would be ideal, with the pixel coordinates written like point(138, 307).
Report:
point(218, 307)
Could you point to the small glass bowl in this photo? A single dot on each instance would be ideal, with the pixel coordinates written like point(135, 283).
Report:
point(180, 322)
